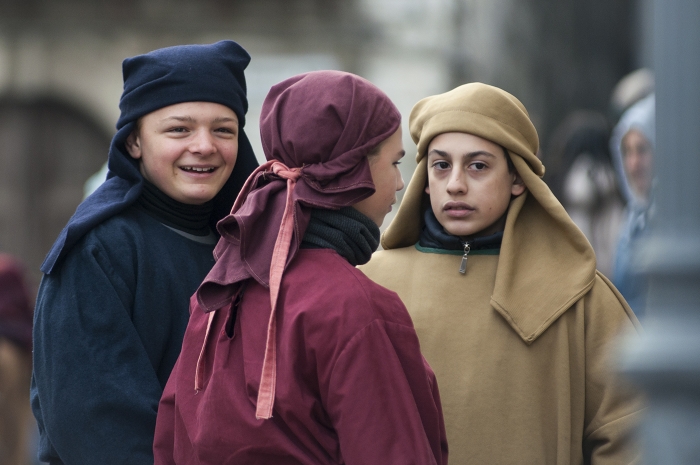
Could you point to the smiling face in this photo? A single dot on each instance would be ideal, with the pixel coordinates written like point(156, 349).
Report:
point(469, 184)
point(187, 150)
point(386, 177)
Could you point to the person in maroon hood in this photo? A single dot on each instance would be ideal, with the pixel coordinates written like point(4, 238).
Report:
point(16, 310)
point(292, 355)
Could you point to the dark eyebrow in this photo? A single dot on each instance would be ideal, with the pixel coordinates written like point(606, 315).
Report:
point(402, 153)
point(184, 119)
point(439, 153)
point(189, 119)
point(479, 152)
point(225, 119)
point(444, 154)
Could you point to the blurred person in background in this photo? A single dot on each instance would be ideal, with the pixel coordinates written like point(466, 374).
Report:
point(16, 309)
point(629, 90)
point(113, 303)
point(632, 145)
point(587, 184)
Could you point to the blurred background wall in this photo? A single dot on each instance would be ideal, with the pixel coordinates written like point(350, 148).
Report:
point(60, 71)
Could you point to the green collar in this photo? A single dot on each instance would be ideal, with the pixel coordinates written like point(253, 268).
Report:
point(457, 252)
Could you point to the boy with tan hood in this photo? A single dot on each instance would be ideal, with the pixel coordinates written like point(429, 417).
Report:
point(503, 290)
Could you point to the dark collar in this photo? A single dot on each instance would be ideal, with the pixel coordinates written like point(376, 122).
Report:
point(434, 236)
point(347, 231)
point(192, 219)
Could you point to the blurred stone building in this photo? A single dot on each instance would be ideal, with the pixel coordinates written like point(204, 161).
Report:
point(60, 71)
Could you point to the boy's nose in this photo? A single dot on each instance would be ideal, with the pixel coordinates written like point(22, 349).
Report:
point(456, 183)
point(202, 143)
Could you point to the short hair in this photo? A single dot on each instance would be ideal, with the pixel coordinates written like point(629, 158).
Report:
point(372, 154)
point(511, 166)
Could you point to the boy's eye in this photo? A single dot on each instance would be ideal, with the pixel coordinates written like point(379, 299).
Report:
point(226, 130)
point(441, 165)
point(177, 129)
point(478, 166)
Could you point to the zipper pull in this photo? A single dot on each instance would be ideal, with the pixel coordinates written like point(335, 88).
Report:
point(463, 265)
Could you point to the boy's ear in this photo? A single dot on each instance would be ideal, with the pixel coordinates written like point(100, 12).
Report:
point(427, 189)
point(518, 186)
point(133, 145)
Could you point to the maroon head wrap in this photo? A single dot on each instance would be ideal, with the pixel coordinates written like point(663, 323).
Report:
point(16, 306)
point(317, 129)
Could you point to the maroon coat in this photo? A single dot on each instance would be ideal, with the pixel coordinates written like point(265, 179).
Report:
point(352, 385)
point(16, 305)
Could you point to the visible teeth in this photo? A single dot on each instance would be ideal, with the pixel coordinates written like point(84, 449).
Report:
point(198, 170)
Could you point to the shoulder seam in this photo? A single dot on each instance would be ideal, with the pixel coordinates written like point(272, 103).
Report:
point(628, 310)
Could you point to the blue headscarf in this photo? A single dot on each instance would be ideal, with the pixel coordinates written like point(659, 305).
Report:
point(642, 117)
point(186, 73)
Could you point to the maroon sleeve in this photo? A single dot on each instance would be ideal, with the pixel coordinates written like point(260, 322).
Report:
point(380, 400)
point(436, 397)
point(163, 444)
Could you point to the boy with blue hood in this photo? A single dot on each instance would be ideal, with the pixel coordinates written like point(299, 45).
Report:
point(113, 303)
point(502, 286)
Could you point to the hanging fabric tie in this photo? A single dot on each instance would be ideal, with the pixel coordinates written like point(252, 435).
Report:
point(266, 392)
point(268, 378)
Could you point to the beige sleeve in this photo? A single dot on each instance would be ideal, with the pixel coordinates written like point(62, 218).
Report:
point(613, 406)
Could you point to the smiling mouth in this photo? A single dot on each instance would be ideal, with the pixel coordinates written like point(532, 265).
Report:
point(194, 169)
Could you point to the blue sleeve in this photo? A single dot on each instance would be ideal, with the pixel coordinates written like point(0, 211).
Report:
point(95, 392)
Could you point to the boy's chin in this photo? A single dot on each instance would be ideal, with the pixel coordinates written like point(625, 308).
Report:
point(464, 231)
point(461, 231)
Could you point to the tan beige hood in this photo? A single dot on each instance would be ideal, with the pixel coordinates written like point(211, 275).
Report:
point(546, 263)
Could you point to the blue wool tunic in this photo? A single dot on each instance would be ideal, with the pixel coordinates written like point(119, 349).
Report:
point(113, 304)
point(114, 314)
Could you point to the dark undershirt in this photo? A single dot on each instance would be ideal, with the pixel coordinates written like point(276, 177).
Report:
point(191, 221)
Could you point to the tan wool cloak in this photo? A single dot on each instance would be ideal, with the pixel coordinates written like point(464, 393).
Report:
point(523, 344)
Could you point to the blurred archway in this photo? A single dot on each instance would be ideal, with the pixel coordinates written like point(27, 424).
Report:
point(47, 150)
